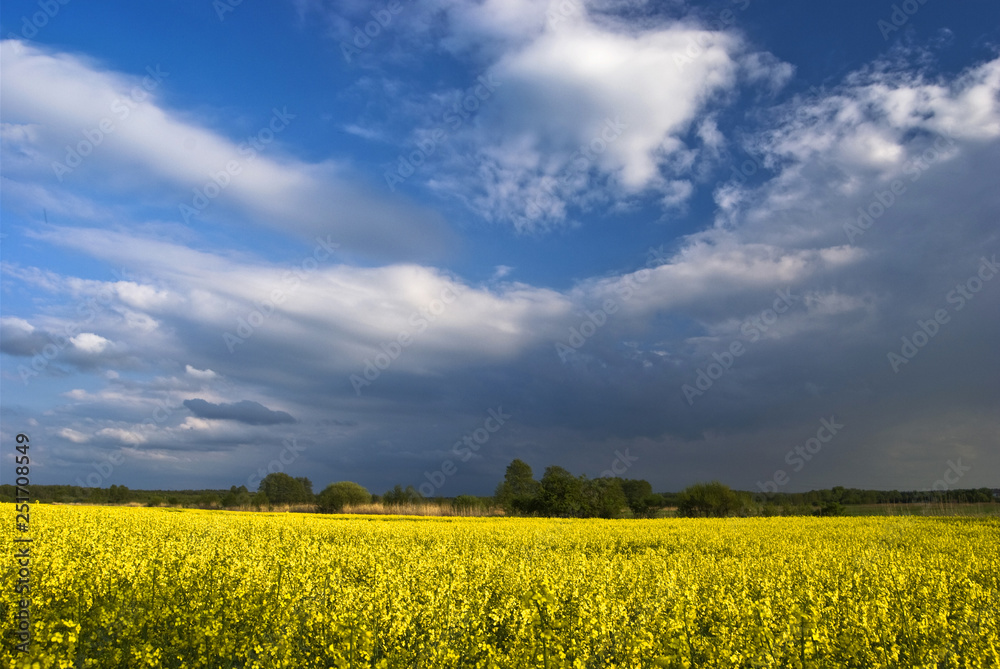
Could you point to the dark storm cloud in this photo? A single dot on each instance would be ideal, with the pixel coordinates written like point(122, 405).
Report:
point(251, 413)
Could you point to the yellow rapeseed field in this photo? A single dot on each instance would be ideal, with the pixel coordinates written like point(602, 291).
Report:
point(136, 587)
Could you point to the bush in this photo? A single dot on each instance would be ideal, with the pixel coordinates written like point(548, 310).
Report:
point(336, 496)
point(832, 509)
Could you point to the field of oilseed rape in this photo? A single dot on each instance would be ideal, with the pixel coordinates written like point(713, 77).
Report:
point(138, 587)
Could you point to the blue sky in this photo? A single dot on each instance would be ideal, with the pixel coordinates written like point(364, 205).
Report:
point(687, 242)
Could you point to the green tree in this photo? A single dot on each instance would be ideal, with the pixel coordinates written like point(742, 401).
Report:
point(708, 499)
point(602, 497)
point(280, 488)
point(640, 497)
point(518, 492)
point(398, 496)
point(236, 497)
point(307, 488)
point(336, 496)
point(561, 493)
point(209, 499)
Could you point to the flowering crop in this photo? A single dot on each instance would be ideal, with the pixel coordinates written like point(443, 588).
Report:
point(136, 587)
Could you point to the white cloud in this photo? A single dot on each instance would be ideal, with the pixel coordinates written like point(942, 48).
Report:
point(200, 296)
point(341, 315)
point(54, 100)
point(90, 343)
point(196, 424)
point(500, 271)
point(13, 324)
point(587, 110)
point(869, 122)
point(122, 435)
point(200, 374)
point(834, 150)
point(72, 435)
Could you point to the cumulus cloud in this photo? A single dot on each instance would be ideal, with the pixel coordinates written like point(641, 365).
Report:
point(57, 343)
point(577, 109)
point(569, 107)
point(90, 343)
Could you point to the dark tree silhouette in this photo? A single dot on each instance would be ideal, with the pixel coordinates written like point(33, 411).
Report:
point(518, 492)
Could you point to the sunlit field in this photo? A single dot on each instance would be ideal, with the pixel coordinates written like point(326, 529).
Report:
point(141, 587)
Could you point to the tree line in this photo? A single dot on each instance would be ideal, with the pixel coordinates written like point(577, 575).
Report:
point(558, 493)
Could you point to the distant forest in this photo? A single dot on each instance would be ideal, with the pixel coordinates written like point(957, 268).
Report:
point(558, 493)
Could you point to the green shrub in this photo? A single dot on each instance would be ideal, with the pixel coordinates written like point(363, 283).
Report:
point(466, 503)
point(336, 496)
